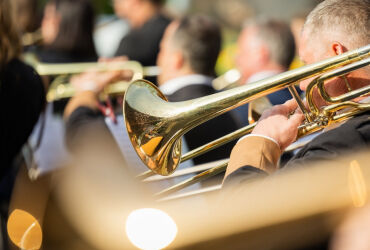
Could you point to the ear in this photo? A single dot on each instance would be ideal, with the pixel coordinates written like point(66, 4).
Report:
point(337, 48)
point(264, 53)
point(178, 60)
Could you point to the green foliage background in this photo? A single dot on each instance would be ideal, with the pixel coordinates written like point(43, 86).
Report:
point(101, 6)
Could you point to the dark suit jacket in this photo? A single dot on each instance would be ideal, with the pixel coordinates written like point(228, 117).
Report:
point(142, 44)
point(349, 137)
point(22, 98)
point(49, 55)
point(208, 131)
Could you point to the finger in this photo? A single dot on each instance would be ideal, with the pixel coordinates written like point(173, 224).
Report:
point(296, 120)
point(298, 111)
point(291, 105)
point(115, 59)
point(108, 77)
point(103, 59)
point(279, 110)
point(120, 59)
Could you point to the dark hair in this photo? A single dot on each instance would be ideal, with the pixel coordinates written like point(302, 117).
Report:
point(157, 2)
point(76, 27)
point(200, 39)
point(10, 46)
point(28, 18)
point(278, 37)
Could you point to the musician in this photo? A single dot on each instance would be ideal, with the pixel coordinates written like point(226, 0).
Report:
point(147, 27)
point(332, 28)
point(266, 47)
point(67, 31)
point(22, 98)
point(187, 58)
point(28, 16)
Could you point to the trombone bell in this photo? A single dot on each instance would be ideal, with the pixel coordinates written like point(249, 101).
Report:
point(154, 144)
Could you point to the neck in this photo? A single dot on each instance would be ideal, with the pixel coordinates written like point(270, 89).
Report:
point(144, 14)
point(273, 67)
point(162, 79)
point(270, 66)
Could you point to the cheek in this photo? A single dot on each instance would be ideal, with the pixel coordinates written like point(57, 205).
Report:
point(49, 30)
point(163, 58)
point(242, 60)
point(159, 59)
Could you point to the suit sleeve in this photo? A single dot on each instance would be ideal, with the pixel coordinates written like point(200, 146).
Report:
point(352, 136)
point(252, 156)
point(83, 127)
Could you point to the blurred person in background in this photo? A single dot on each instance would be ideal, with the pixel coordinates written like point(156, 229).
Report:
point(325, 34)
point(22, 97)
point(188, 53)
point(28, 18)
point(265, 48)
point(147, 27)
point(67, 31)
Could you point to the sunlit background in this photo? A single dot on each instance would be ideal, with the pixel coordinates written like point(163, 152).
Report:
point(230, 14)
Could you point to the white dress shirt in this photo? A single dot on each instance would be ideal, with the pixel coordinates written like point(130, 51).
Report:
point(171, 86)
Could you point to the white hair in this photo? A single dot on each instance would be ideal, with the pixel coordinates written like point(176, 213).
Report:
point(345, 21)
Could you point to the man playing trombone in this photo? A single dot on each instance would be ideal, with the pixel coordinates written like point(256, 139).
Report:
point(332, 28)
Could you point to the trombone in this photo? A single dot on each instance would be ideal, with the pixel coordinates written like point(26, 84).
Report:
point(31, 38)
point(155, 126)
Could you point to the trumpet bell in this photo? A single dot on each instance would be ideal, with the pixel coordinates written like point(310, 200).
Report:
point(154, 144)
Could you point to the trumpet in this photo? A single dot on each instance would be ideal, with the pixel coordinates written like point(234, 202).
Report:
point(32, 38)
point(155, 126)
point(60, 88)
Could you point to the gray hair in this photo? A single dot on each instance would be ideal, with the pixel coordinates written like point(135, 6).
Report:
point(199, 37)
point(347, 21)
point(277, 36)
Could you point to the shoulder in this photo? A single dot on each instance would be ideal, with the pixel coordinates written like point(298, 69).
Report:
point(21, 77)
point(353, 133)
point(191, 92)
point(161, 19)
point(156, 25)
point(49, 55)
point(17, 66)
point(350, 136)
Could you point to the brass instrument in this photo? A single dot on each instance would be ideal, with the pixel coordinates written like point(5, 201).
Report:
point(32, 38)
point(227, 80)
point(155, 126)
point(61, 88)
point(231, 79)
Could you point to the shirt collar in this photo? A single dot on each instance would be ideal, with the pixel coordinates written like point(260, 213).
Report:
point(171, 86)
